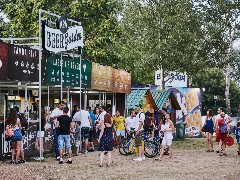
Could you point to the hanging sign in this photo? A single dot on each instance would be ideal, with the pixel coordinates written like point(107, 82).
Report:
point(176, 79)
point(62, 39)
point(121, 81)
point(3, 61)
point(70, 71)
point(158, 77)
point(23, 63)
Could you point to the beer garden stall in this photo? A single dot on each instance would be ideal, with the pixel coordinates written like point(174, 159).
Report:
point(32, 78)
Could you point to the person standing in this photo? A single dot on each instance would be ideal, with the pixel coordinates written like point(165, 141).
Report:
point(162, 118)
point(77, 136)
point(227, 120)
point(65, 125)
point(75, 109)
point(16, 138)
point(55, 114)
point(92, 129)
point(140, 117)
point(40, 136)
point(238, 136)
point(130, 123)
point(222, 134)
point(168, 129)
point(106, 139)
point(100, 119)
point(209, 128)
point(119, 122)
point(84, 118)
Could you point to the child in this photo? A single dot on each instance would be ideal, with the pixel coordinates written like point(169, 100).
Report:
point(77, 137)
point(238, 136)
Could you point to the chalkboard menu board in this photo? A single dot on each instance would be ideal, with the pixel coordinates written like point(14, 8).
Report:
point(70, 71)
point(23, 63)
point(3, 61)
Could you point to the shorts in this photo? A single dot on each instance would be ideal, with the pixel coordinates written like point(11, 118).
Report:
point(40, 134)
point(77, 144)
point(85, 132)
point(166, 142)
point(62, 139)
point(91, 135)
point(139, 138)
point(17, 136)
point(120, 133)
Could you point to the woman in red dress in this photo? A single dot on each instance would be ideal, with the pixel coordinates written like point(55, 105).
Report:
point(221, 136)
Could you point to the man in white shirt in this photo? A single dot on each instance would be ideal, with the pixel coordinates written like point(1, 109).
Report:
point(140, 117)
point(130, 122)
point(84, 117)
point(54, 115)
point(100, 120)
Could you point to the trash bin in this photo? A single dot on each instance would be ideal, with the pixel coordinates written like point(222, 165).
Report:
point(180, 130)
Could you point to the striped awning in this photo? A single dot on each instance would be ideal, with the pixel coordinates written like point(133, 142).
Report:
point(160, 97)
point(135, 97)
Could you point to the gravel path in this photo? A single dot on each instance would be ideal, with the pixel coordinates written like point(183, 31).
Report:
point(190, 161)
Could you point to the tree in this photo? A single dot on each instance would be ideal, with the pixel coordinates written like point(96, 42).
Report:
point(98, 18)
point(213, 80)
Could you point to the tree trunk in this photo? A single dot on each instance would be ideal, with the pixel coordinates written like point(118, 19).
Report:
point(227, 95)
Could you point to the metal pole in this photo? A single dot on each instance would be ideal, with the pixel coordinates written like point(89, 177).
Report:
point(48, 109)
point(99, 98)
point(80, 68)
point(40, 82)
point(85, 99)
point(61, 79)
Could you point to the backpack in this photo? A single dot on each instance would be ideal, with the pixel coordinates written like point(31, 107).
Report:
point(223, 128)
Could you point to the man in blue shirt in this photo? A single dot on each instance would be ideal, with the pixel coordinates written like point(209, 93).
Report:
point(238, 136)
point(92, 129)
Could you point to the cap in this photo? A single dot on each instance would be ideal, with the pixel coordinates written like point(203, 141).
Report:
point(139, 105)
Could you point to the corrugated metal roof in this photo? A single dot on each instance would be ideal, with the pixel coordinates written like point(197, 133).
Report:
point(135, 98)
point(160, 97)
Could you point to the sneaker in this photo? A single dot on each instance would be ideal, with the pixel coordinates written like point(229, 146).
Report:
point(12, 162)
point(38, 159)
point(58, 158)
point(69, 162)
point(143, 158)
point(86, 152)
point(60, 161)
point(138, 159)
point(21, 161)
point(42, 158)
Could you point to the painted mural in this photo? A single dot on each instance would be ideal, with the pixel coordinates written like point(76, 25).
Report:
point(190, 101)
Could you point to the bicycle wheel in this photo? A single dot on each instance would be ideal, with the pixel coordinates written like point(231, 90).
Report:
point(150, 149)
point(123, 147)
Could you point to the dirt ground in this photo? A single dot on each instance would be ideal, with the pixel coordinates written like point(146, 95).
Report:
point(190, 161)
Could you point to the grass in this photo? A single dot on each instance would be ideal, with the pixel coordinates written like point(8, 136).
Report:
point(190, 143)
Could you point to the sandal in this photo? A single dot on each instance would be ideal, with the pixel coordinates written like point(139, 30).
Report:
point(100, 165)
point(211, 150)
point(157, 159)
point(224, 154)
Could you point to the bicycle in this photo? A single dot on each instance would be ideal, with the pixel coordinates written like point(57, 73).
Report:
point(127, 146)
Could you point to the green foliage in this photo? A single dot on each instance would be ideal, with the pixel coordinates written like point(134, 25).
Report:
point(98, 18)
point(213, 80)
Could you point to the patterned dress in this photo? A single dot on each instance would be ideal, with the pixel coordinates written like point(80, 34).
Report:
point(106, 141)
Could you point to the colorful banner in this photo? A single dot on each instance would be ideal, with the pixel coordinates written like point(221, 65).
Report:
point(23, 63)
point(3, 61)
point(70, 71)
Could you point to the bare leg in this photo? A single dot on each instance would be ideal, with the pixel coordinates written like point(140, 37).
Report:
point(22, 153)
point(140, 151)
point(170, 152)
point(207, 138)
point(224, 147)
point(77, 150)
point(70, 153)
point(101, 157)
point(161, 153)
point(18, 146)
point(13, 150)
point(61, 153)
point(109, 157)
point(86, 144)
point(211, 141)
point(37, 144)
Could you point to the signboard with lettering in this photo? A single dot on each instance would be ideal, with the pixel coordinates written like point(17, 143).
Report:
point(23, 63)
point(62, 39)
point(158, 77)
point(102, 77)
point(121, 81)
point(175, 79)
point(70, 71)
point(3, 61)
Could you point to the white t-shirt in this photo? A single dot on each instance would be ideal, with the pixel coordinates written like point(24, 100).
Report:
point(56, 112)
point(131, 123)
point(219, 116)
point(101, 118)
point(167, 134)
point(82, 116)
point(140, 117)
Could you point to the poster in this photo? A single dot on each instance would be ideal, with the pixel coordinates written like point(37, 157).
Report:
point(121, 81)
point(3, 61)
point(23, 63)
point(70, 71)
